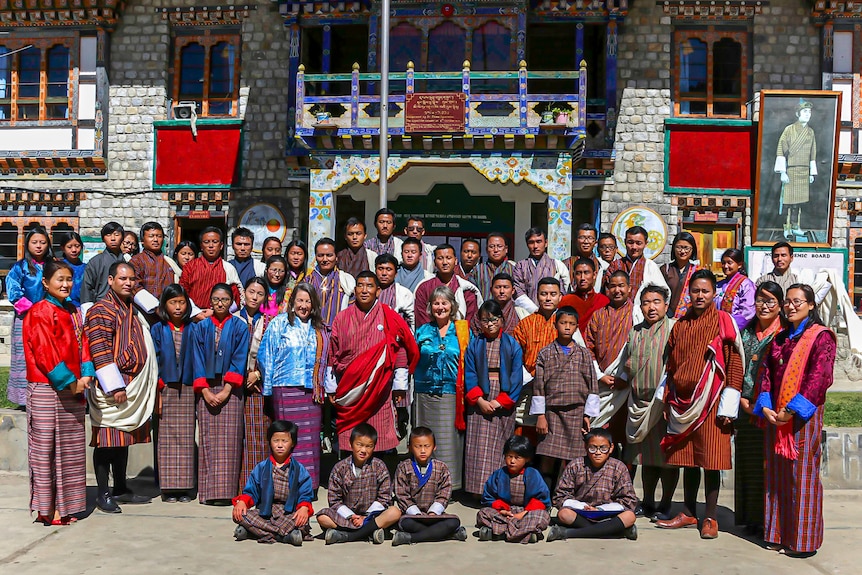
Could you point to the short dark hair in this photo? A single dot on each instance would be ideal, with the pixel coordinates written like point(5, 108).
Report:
point(442, 247)
point(242, 233)
point(211, 230)
point(170, 292)
point(637, 231)
point(112, 271)
point(549, 281)
point(621, 274)
point(53, 266)
point(411, 241)
point(687, 238)
point(301, 245)
point(587, 227)
point(473, 240)
point(519, 445)
point(353, 221)
point(221, 286)
point(386, 259)
point(110, 228)
point(384, 212)
point(503, 276)
point(364, 430)
point(491, 308)
point(68, 237)
point(283, 426)
point(608, 236)
point(599, 432)
point(660, 290)
point(780, 245)
point(772, 289)
point(324, 242)
point(566, 310)
point(368, 274)
point(185, 244)
point(421, 431)
point(534, 231)
point(498, 235)
point(585, 262)
point(149, 226)
point(703, 274)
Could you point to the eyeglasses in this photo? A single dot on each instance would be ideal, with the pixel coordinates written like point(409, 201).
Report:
point(490, 320)
point(221, 299)
point(276, 272)
point(683, 249)
point(599, 449)
point(795, 303)
point(767, 303)
point(606, 248)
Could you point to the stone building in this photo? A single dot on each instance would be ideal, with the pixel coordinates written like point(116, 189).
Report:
point(662, 99)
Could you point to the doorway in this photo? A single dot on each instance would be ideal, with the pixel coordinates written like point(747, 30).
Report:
point(189, 227)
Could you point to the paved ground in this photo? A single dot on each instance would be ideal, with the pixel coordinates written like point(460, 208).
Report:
point(191, 538)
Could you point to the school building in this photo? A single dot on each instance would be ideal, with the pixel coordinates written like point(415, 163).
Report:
point(503, 114)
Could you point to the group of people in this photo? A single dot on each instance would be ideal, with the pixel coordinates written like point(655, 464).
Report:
point(510, 380)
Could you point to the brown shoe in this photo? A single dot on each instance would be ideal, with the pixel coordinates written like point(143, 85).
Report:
point(681, 520)
point(709, 529)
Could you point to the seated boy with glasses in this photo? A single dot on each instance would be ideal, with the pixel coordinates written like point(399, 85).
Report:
point(595, 497)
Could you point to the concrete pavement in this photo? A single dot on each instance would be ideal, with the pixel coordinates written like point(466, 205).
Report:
point(192, 538)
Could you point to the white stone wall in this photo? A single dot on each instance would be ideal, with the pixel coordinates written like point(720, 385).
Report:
point(138, 75)
point(639, 168)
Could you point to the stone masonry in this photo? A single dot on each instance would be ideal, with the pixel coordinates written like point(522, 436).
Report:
point(138, 74)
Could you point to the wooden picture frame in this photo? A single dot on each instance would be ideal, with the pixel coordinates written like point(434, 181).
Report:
point(792, 203)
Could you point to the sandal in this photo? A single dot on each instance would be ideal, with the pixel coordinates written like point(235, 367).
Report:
point(68, 520)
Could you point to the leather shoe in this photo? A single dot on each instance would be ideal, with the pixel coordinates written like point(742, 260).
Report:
point(107, 504)
point(709, 529)
point(132, 498)
point(681, 520)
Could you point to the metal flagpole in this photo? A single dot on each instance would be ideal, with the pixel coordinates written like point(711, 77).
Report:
point(384, 102)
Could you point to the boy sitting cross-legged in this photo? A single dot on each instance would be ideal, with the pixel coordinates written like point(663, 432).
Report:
point(423, 487)
point(280, 490)
point(515, 499)
point(359, 493)
point(595, 496)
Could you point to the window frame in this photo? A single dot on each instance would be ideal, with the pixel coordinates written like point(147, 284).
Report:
point(71, 41)
point(207, 39)
point(711, 35)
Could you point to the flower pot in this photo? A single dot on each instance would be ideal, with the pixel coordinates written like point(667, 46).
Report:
point(562, 118)
point(547, 117)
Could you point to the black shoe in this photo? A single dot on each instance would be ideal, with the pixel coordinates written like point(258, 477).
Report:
point(169, 498)
point(240, 533)
point(184, 499)
point(640, 511)
point(107, 504)
point(132, 498)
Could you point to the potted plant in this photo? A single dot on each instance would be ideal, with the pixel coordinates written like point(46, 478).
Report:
point(561, 114)
point(547, 116)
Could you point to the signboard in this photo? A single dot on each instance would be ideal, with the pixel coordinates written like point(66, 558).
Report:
point(434, 112)
point(759, 261)
point(647, 219)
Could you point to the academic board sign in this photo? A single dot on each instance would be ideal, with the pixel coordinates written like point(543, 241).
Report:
point(759, 262)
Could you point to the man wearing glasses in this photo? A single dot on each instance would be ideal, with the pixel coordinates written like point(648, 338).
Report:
point(416, 229)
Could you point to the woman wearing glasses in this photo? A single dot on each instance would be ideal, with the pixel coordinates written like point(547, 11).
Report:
point(220, 350)
point(678, 273)
point(735, 293)
point(748, 463)
point(493, 377)
point(796, 374)
point(439, 379)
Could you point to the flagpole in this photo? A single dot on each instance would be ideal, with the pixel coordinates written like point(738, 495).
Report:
point(384, 103)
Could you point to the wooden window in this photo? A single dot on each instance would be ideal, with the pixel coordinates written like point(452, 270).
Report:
point(37, 80)
point(206, 71)
point(712, 77)
point(846, 82)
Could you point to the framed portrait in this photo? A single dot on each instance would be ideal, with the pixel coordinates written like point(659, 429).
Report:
point(797, 155)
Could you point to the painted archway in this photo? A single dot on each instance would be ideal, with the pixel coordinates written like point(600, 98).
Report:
point(551, 175)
